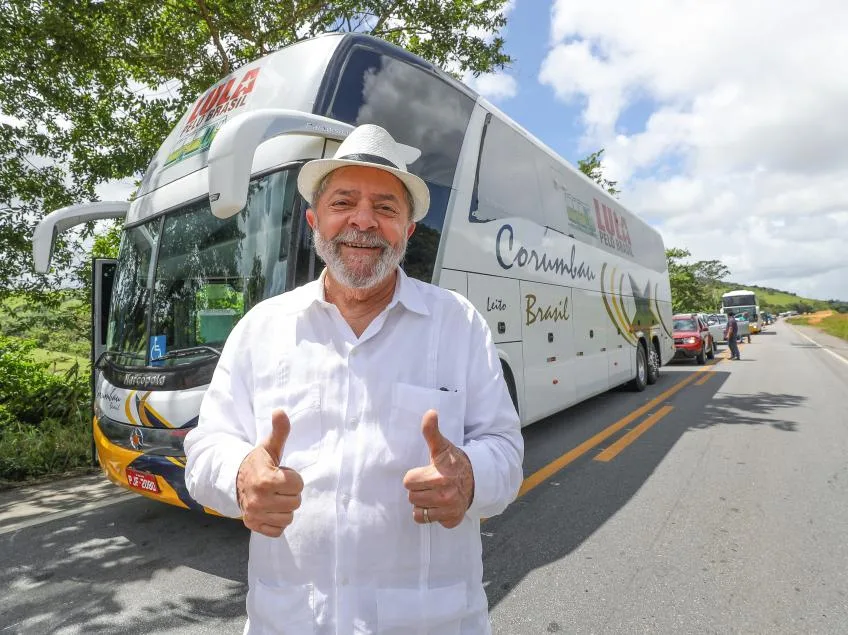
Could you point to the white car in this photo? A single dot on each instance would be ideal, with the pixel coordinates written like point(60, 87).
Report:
point(717, 324)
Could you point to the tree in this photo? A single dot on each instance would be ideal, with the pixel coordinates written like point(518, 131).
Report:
point(694, 286)
point(592, 167)
point(90, 89)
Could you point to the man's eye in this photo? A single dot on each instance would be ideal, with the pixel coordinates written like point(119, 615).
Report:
point(387, 209)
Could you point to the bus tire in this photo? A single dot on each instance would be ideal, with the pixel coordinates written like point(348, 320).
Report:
point(510, 384)
point(653, 365)
point(640, 381)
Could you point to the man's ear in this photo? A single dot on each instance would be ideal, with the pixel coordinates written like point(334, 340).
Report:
point(410, 230)
point(310, 217)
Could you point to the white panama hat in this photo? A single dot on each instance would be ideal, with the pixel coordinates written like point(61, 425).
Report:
point(370, 146)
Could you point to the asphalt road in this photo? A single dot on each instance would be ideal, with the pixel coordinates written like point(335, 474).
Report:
point(714, 502)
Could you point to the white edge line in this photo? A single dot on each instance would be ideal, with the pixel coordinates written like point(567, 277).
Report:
point(826, 350)
point(65, 514)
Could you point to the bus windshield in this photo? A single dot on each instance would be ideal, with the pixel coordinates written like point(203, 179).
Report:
point(739, 300)
point(185, 278)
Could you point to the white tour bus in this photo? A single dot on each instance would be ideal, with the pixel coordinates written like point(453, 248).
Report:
point(574, 287)
point(741, 302)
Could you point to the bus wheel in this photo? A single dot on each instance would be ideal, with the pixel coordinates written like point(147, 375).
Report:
point(653, 365)
point(639, 382)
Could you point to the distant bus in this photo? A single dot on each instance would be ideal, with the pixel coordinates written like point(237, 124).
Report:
point(574, 287)
point(741, 302)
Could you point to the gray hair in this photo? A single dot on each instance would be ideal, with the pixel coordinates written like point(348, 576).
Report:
point(325, 181)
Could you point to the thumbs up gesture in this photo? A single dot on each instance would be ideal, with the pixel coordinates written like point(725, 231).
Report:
point(267, 493)
point(443, 490)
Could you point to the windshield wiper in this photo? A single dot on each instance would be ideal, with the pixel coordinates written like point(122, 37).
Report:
point(115, 353)
point(191, 351)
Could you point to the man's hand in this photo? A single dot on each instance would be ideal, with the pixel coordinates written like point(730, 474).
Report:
point(445, 488)
point(269, 494)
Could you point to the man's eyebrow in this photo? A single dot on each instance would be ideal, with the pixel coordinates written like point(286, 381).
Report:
point(341, 192)
point(381, 196)
point(385, 197)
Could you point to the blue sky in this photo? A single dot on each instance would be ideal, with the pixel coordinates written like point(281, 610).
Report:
point(723, 122)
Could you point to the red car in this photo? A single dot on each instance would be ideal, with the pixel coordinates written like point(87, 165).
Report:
point(692, 339)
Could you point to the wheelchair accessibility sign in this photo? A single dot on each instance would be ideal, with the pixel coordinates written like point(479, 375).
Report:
point(157, 349)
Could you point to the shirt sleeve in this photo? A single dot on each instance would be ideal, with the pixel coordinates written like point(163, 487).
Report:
point(493, 440)
point(225, 432)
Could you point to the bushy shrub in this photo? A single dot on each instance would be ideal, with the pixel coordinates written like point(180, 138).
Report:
point(44, 424)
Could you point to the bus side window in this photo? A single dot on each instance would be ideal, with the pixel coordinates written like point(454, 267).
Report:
point(417, 107)
point(508, 183)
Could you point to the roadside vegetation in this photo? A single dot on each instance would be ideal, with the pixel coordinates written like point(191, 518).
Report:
point(45, 395)
point(827, 321)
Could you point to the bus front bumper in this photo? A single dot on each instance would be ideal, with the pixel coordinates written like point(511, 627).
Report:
point(155, 473)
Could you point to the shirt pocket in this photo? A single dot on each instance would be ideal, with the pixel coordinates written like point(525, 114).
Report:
point(410, 402)
point(286, 610)
point(306, 437)
point(438, 611)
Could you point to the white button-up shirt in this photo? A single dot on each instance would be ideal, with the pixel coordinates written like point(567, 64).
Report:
point(354, 561)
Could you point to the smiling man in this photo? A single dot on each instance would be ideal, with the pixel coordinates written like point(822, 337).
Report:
point(360, 425)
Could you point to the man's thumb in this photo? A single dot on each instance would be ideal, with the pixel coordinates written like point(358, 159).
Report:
point(432, 435)
point(276, 441)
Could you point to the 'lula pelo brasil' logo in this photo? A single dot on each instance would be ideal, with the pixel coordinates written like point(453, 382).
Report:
point(508, 257)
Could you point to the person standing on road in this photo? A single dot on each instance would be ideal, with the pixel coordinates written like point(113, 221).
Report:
point(731, 333)
point(360, 425)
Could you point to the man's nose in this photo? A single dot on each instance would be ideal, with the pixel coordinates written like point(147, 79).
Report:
point(363, 217)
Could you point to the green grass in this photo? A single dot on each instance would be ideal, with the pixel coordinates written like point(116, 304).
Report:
point(835, 324)
point(60, 362)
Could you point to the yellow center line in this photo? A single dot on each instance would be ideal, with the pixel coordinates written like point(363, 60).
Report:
point(612, 451)
point(703, 380)
point(541, 475)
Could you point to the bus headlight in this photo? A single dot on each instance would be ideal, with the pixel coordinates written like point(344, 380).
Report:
point(159, 441)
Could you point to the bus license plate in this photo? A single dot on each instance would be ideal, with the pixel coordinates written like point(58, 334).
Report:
point(143, 481)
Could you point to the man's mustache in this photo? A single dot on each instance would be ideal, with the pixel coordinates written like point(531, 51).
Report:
point(366, 239)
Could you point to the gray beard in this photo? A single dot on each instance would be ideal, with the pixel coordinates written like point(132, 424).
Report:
point(330, 252)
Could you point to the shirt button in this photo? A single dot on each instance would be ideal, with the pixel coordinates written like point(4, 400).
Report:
point(345, 500)
point(345, 581)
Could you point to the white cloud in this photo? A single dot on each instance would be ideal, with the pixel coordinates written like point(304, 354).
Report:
point(9, 120)
point(497, 86)
point(116, 190)
point(742, 127)
point(493, 86)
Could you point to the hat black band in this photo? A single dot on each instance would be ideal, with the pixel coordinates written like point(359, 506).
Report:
point(369, 158)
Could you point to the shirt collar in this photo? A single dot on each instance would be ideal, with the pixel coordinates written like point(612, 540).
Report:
point(407, 293)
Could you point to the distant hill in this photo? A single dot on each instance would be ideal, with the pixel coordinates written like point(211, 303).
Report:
point(775, 300)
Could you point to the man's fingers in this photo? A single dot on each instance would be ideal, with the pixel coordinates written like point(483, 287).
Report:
point(432, 435)
point(270, 525)
point(290, 481)
point(276, 441)
point(443, 497)
point(423, 478)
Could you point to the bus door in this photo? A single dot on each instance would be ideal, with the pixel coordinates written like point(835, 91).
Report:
point(548, 344)
point(620, 351)
point(591, 334)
